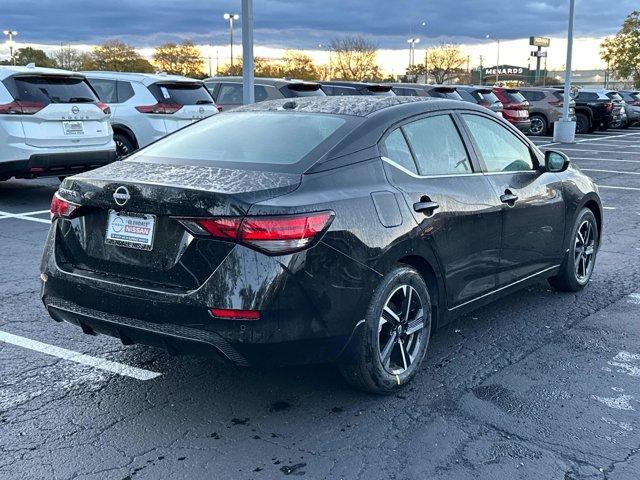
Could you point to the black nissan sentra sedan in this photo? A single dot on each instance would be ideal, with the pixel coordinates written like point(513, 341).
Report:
point(340, 229)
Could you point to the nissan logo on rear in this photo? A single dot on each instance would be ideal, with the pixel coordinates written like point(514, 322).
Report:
point(201, 110)
point(121, 196)
point(75, 110)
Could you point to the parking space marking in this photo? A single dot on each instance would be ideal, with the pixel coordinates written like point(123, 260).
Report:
point(606, 159)
point(594, 139)
point(26, 216)
point(633, 189)
point(609, 171)
point(609, 208)
point(81, 358)
point(596, 150)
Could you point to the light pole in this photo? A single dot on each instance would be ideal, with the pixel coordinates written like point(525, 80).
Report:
point(565, 130)
point(231, 17)
point(497, 58)
point(248, 74)
point(10, 34)
point(412, 47)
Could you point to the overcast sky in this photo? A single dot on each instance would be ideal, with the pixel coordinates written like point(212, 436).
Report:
point(304, 23)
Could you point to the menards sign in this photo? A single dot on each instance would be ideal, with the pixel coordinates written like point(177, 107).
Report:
point(506, 70)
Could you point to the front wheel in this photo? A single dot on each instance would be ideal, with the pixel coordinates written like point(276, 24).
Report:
point(582, 123)
point(393, 341)
point(539, 125)
point(575, 272)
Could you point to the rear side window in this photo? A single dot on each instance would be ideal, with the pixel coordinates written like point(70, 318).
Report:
point(501, 150)
point(532, 95)
point(106, 89)
point(181, 93)
point(587, 96)
point(395, 148)
point(614, 96)
point(248, 137)
point(230, 94)
point(437, 146)
point(48, 89)
point(125, 91)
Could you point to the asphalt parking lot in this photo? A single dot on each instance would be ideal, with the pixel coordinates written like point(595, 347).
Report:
point(540, 385)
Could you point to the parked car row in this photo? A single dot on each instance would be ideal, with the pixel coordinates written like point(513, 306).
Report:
point(56, 122)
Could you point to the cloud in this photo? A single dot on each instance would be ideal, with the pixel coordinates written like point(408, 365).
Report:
point(302, 23)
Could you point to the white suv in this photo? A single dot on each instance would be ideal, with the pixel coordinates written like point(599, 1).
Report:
point(146, 107)
point(51, 123)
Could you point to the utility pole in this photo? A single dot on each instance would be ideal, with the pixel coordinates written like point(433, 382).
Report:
point(481, 70)
point(565, 130)
point(248, 79)
point(231, 17)
point(10, 34)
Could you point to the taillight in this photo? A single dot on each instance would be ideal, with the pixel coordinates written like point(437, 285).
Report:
point(608, 106)
point(21, 108)
point(160, 108)
point(219, 107)
point(62, 208)
point(233, 314)
point(273, 235)
point(104, 107)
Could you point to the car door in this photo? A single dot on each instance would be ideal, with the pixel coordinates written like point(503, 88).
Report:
point(453, 203)
point(532, 201)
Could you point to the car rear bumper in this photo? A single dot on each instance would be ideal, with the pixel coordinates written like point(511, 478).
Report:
point(56, 164)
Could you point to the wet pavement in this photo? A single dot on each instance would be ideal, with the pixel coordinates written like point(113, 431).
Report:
point(539, 385)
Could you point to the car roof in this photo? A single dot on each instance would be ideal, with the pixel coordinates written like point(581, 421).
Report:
point(354, 105)
point(10, 70)
point(145, 78)
point(276, 82)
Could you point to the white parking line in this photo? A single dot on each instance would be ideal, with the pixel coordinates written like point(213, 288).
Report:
point(608, 171)
point(609, 208)
point(596, 150)
point(88, 360)
point(606, 159)
point(599, 137)
point(633, 189)
point(26, 216)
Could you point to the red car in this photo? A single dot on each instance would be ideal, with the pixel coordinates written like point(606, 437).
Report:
point(516, 107)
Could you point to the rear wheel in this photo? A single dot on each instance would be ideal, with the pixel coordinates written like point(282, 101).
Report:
point(578, 264)
point(395, 336)
point(124, 144)
point(582, 123)
point(539, 125)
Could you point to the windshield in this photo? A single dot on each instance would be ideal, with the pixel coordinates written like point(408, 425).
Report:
point(614, 96)
point(181, 93)
point(51, 89)
point(273, 138)
point(514, 96)
point(489, 97)
point(449, 93)
point(305, 90)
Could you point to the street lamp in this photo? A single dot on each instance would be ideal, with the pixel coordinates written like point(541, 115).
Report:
point(412, 48)
point(231, 17)
point(10, 34)
point(497, 58)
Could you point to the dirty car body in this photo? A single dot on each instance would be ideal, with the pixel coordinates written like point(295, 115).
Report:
point(235, 289)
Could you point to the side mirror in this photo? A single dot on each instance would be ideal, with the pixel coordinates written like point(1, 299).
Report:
point(555, 161)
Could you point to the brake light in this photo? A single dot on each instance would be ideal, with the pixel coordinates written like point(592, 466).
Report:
point(274, 235)
point(104, 107)
point(21, 108)
point(160, 108)
point(61, 207)
point(219, 107)
point(608, 106)
point(233, 314)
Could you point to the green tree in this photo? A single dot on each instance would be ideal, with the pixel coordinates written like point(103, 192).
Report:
point(179, 59)
point(299, 65)
point(26, 55)
point(117, 56)
point(622, 52)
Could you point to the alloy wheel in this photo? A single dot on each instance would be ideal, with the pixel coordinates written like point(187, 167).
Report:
point(122, 149)
point(537, 126)
point(401, 331)
point(584, 250)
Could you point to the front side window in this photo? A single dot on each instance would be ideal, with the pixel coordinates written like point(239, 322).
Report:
point(396, 149)
point(437, 146)
point(501, 150)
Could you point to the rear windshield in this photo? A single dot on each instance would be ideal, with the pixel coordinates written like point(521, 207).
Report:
point(304, 90)
point(48, 89)
point(181, 93)
point(614, 96)
point(468, 96)
point(449, 93)
point(514, 96)
point(247, 137)
point(382, 90)
point(489, 97)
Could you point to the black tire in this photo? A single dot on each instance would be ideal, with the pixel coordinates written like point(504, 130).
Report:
point(124, 145)
point(405, 351)
point(582, 123)
point(569, 278)
point(539, 125)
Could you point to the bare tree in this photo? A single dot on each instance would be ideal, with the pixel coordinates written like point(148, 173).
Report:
point(355, 58)
point(444, 62)
point(69, 58)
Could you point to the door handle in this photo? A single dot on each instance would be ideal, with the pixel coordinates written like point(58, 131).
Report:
point(427, 207)
point(509, 198)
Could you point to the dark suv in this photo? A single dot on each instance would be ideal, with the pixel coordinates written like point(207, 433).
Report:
point(594, 110)
point(424, 90)
point(227, 91)
point(339, 87)
point(480, 95)
point(516, 107)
